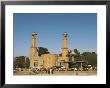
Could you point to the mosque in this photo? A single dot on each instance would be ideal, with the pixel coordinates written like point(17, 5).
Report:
point(48, 60)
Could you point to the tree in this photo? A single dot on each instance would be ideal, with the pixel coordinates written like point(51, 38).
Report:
point(77, 53)
point(42, 50)
point(86, 53)
point(93, 53)
point(21, 62)
point(90, 57)
point(27, 64)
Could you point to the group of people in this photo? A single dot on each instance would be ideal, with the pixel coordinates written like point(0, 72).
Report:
point(50, 71)
point(42, 70)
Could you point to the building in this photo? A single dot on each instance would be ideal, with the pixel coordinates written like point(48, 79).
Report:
point(48, 60)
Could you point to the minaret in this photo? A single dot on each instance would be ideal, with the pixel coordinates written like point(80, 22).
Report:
point(64, 48)
point(33, 49)
point(33, 39)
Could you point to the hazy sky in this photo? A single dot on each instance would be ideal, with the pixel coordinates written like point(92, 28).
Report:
point(81, 29)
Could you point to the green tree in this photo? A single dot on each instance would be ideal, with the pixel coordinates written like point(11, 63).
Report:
point(42, 50)
point(76, 55)
point(27, 64)
point(21, 62)
point(90, 57)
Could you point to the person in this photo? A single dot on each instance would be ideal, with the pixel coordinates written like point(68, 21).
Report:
point(34, 70)
point(37, 71)
point(48, 70)
point(52, 70)
point(30, 71)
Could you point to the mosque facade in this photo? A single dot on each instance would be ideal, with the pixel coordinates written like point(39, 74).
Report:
point(48, 60)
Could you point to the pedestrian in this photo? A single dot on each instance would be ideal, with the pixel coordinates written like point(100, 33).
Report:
point(48, 70)
point(52, 70)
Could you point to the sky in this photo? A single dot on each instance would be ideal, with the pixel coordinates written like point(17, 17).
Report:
point(80, 27)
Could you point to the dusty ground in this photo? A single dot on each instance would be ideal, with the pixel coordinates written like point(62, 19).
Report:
point(75, 73)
